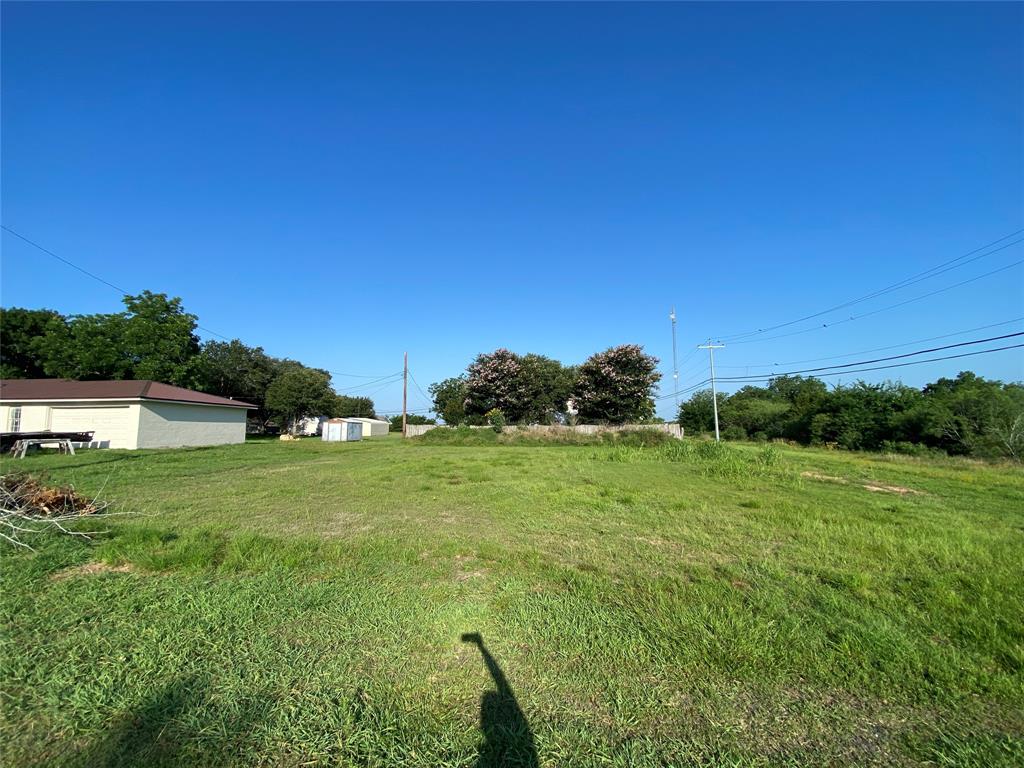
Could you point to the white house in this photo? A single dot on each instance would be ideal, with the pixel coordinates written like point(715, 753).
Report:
point(122, 414)
point(310, 425)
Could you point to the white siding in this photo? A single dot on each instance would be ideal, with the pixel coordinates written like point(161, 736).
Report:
point(34, 418)
point(113, 426)
point(174, 425)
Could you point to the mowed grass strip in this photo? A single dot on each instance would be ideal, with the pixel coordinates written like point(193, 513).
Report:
point(304, 603)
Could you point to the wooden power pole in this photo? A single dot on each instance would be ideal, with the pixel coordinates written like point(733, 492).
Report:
point(405, 390)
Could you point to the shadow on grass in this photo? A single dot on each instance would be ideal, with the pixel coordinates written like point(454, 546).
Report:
point(156, 733)
point(508, 740)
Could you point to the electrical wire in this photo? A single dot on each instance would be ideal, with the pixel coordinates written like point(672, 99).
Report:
point(883, 359)
point(882, 309)
point(389, 380)
point(876, 349)
point(425, 395)
point(881, 367)
point(939, 269)
point(123, 292)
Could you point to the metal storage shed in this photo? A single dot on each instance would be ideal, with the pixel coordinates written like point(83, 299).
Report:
point(341, 430)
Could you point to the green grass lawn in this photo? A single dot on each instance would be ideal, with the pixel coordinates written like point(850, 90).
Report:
point(305, 604)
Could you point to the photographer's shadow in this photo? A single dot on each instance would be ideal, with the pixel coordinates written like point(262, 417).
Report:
point(508, 740)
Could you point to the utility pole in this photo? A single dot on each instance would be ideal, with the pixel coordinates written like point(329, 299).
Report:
point(405, 389)
point(714, 394)
point(675, 367)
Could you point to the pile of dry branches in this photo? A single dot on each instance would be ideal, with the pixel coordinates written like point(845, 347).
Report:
point(28, 506)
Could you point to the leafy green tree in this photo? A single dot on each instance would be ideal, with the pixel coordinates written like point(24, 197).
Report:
point(154, 338)
point(236, 370)
point(971, 415)
point(697, 415)
point(450, 399)
point(412, 418)
point(548, 386)
point(525, 388)
point(160, 339)
point(806, 397)
point(87, 347)
point(757, 412)
point(616, 386)
point(21, 331)
point(352, 406)
point(298, 392)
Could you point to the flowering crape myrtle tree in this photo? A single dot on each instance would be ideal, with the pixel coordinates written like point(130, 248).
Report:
point(525, 388)
point(493, 381)
point(616, 386)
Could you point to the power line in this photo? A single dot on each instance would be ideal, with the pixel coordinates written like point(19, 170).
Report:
point(685, 391)
point(883, 359)
point(416, 383)
point(876, 349)
point(830, 370)
point(919, 277)
point(120, 290)
point(884, 367)
point(390, 379)
point(123, 292)
point(360, 375)
point(86, 272)
point(883, 309)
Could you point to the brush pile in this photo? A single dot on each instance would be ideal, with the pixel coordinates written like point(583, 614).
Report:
point(28, 506)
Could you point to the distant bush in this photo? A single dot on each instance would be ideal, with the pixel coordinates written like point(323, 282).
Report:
point(496, 419)
point(638, 437)
point(966, 416)
point(458, 436)
point(554, 437)
point(910, 449)
point(412, 418)
point(734, 432)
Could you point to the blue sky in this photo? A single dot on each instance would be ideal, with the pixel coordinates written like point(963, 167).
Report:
point(341, 183)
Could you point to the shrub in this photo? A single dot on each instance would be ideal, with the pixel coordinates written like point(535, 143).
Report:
point(458, 436)
point(496, 419)
point(734, 432)
point(646, 438)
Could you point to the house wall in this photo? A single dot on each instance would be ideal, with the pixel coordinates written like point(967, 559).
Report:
point(115, 425)
point(175, 425)
point(34, 418)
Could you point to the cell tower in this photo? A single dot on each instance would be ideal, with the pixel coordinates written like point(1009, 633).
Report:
point(675, 366)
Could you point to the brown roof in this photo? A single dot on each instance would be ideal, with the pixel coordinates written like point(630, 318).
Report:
point(65, 389)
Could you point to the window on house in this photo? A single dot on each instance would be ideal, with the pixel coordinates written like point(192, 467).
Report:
point(14, 421)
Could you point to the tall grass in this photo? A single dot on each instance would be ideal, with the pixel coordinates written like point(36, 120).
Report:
point(713, 458)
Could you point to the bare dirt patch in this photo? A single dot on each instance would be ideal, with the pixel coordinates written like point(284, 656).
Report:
point(90, 569)
point(464, 570)
point(891, 489)
point(826, 478)
point(872, 486)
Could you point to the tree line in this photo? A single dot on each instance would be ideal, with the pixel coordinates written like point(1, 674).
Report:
point(615, 386)
point(155, 338)
point(967, 415)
